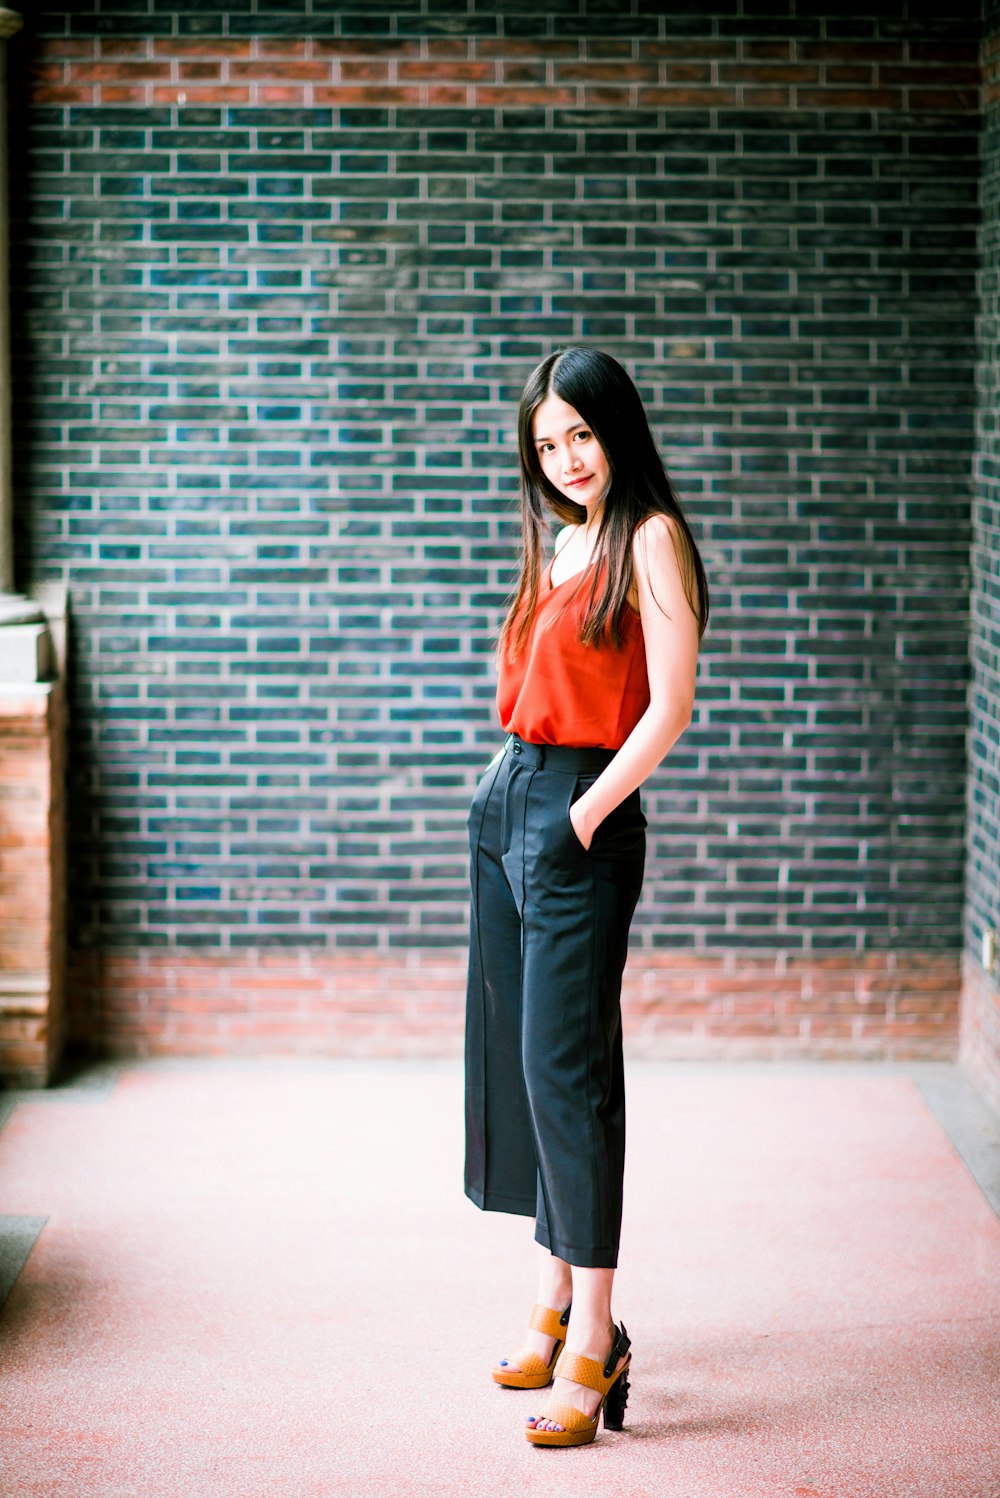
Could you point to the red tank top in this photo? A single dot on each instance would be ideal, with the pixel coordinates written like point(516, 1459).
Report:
point(559, 691)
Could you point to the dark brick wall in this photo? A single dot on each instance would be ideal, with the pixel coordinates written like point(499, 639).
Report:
point(981, 995)
point(269, 341)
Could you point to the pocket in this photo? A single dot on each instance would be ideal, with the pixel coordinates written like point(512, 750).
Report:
point(623, 831)
point(580, 785)
point(483, 786)
point(618, 831)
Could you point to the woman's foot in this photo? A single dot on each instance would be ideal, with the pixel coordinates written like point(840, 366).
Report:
point(593, 1343)
point(556, 1289)
point(537, 1342)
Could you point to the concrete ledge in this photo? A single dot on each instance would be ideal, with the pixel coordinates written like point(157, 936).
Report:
point(26, 653)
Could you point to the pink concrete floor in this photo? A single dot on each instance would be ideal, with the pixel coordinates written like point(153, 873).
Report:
point(264, 1279)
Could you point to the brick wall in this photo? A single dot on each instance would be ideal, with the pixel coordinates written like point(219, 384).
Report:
point(279, 277)
point(32, 881)
point(980, 989)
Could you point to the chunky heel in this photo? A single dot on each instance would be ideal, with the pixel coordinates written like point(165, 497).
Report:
point(615, 1402)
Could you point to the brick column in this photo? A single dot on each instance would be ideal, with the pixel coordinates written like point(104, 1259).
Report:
point(32, 881)
point(32, 737)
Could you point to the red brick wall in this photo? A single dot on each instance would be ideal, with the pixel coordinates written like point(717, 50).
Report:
point(722, 72)
point(158, 1003)
point(32, 881)
point(980, 1027)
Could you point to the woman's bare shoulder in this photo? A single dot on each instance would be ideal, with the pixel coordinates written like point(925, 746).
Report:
point(654, 538)
point(563, 535)
point(656, 527)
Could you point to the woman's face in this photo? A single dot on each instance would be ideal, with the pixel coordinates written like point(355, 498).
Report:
point(570, 456)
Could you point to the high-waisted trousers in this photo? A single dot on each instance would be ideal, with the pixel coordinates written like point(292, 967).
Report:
point(544, 1079)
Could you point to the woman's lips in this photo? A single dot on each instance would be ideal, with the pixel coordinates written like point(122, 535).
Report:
point(572, 483)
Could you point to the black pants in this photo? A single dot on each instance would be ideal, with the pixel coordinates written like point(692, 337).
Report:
point(544, 1081)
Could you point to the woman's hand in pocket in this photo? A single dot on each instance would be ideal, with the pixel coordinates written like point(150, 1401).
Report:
point(577, 817)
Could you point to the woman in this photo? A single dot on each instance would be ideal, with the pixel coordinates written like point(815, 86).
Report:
point(596, 671)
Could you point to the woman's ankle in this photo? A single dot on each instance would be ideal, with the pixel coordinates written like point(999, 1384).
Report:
point(590, 1332)
point(555, 1284)
point(555, 1281)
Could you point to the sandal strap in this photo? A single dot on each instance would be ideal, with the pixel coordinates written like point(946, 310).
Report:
point(529, 1362)
point(581, 1370)
point(567, 1415)
point(549, 1322)
point(591, 1373)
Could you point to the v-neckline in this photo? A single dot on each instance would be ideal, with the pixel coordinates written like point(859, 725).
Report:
point(579, 573)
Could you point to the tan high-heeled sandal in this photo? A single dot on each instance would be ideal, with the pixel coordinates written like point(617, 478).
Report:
point(532, 1372)
point(579, 1429)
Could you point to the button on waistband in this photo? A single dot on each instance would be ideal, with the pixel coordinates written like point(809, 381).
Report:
point(562, 758)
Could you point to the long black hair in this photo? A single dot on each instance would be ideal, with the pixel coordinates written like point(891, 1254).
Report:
point(597, 386)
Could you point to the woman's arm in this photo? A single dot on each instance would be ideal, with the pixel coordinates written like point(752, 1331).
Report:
point(670, 633)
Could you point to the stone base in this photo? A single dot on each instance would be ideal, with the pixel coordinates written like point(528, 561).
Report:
point(32, 881)
point(25, 653)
